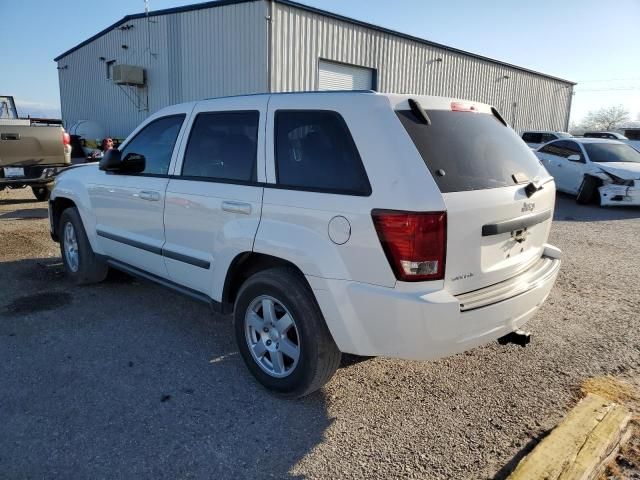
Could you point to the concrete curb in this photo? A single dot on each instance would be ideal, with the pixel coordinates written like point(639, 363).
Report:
point(580, 445)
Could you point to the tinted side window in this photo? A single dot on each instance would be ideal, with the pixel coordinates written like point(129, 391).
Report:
point(574, 149)
point(563, 148)
point(315, 151)
point(547, 137)
point(155, 142)
point(532, 137)
point(223, 145)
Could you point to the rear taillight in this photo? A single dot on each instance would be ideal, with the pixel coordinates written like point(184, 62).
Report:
point(415, 243)
point(66, 139)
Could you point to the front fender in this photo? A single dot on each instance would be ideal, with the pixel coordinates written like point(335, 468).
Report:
point(72, 185)
point(599, 174)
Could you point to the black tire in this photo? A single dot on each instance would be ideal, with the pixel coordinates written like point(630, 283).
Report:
point(90, 268)
point(41, 193)
point(588, 190)
point(319, 356)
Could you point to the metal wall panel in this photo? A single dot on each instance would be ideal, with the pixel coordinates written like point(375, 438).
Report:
point(227, 50)
point(300, 38)
point(186, 56)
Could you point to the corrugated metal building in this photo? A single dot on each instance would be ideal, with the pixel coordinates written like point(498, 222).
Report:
point(232, 47)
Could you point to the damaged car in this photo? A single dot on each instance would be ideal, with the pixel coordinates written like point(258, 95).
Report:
point(596, 170)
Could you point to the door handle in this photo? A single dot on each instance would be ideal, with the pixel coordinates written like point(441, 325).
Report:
point(236, 207)
point(10, 136)
point(150, 196)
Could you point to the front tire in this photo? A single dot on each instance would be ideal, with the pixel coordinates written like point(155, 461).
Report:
point(41, 193)
point(81, 264)
point(282, 335)
point(588, 190)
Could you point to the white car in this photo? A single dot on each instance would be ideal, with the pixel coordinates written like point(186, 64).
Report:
point(593, 169)
point(371, 224)
point(536, 138)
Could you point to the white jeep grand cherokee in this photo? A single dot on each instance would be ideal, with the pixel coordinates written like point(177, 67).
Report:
point(372, 224)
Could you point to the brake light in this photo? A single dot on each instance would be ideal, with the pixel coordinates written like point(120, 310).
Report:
point(66, 139)
point(463, 107)
point(415, 243)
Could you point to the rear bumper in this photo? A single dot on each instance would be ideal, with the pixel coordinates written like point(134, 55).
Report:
point(34, 175)
point(371, 320)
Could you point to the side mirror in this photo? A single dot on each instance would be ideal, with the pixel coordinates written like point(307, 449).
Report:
point(133, 163)
point(574, 158)
point(110, 161)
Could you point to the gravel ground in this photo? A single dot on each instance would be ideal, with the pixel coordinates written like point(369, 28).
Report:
point(126, 379)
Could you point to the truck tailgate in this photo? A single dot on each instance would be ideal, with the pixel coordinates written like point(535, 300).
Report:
point(25, 145)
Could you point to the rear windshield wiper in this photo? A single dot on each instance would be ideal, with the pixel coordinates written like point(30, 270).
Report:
point(419, 112)
point(496, 114)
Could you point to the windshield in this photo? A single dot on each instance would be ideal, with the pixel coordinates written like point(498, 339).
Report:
point(470, 151)
point(611, 152)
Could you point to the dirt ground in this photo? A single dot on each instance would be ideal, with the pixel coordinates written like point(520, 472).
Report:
point(126, 379)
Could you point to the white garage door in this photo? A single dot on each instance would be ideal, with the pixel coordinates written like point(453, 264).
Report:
point(338, 76)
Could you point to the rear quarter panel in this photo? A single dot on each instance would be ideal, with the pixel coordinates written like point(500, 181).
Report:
point(295, 224)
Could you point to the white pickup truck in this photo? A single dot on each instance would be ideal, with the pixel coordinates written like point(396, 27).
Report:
point(31, 155)
point(372, 224)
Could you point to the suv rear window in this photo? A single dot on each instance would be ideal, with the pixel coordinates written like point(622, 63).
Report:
point(532, 137)
point(314, 151)
point(475, 151)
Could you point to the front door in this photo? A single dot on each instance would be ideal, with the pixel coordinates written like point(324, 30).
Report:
point(566, 173)
point(573, 170)
point(214, 199)
point(129, 207)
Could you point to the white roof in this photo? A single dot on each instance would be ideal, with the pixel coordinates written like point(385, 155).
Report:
point(595, 140)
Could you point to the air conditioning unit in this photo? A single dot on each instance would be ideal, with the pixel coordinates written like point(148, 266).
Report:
point(128, 75)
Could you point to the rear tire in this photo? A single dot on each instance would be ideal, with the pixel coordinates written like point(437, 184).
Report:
point(293, 362)
point(588, 190)
point(81, 264)
point(41, 193)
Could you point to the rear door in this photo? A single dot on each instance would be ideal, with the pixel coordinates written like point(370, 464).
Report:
point(481, 166)
point(214, 198)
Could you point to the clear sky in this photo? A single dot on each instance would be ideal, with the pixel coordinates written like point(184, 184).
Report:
point(587, 41)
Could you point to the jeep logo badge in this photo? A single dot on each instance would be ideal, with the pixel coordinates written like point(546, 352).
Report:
point(528, 207)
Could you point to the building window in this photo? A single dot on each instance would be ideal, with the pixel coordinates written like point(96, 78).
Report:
point(110, 65)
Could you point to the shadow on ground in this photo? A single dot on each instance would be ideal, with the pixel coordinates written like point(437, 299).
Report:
point(17, 201)
point(25, 214)
point(567, 209)
point(125, 379)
